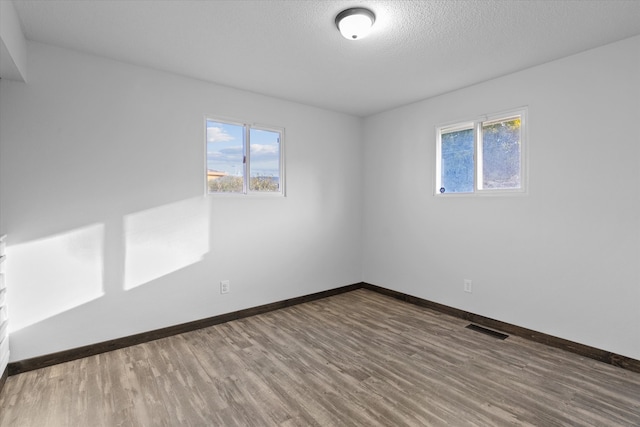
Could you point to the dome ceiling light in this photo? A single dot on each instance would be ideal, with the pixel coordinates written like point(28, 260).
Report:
point(355, 23)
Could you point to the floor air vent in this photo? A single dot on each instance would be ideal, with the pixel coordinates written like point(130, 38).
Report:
point(487, 331)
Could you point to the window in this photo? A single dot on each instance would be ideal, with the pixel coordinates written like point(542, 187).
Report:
point(244, 158)
point(482, 156)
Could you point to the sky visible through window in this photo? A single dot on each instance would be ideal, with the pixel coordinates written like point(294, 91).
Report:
point(265, 153)
point(225, 143)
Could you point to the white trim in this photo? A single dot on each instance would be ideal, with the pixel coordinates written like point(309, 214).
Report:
point(478, 156)
point(281, 177)
point(458, 126)
point(476, 125)
point(246, 152)
point(246, 148)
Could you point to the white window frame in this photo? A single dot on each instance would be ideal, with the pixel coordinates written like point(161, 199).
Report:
point(246, 167)
point(476, 125)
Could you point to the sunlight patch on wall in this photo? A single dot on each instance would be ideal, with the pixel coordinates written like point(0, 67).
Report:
point(55, 274)
point(165, 239)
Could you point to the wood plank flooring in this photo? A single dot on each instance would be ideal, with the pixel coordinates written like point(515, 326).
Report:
point(355, 359)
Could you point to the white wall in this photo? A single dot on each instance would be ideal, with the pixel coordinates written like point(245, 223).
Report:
point(101, 176)
point(102, 181)
point(564, 260)
point(13, 51)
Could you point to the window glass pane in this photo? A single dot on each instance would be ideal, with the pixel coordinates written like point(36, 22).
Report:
point(457, 161)
point(501, 154)
point(225, 157)
point(264, 160)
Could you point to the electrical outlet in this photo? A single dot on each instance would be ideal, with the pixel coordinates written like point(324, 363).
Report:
point(224, 286)
point(467, 285)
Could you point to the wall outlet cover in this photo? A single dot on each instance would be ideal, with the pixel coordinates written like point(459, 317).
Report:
point(225, 285)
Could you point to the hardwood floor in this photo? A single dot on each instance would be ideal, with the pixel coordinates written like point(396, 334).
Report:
point(354, 359)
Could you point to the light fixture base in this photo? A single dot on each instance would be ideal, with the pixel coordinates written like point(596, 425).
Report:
point(355, 23)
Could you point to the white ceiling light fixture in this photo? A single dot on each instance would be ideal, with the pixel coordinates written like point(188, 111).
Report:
point(355, 23)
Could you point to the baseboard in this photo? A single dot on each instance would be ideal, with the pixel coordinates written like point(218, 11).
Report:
point(570, 346)
point(26, 365)
point(115, 344)
point(3, 378)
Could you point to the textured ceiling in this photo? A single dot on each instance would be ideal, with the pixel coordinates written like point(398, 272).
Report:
point(292, 50)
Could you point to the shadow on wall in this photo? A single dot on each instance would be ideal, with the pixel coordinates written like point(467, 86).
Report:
point(62, 272)
point(161, 240)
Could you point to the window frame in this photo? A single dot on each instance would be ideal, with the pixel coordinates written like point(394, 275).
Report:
point(477, 125)
point(247, 126)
